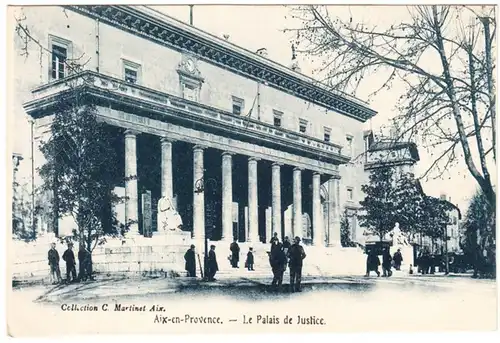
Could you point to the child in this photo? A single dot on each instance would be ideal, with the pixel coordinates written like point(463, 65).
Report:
point(249, 262)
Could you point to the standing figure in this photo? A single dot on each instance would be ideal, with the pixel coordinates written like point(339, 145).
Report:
point(235, 253)
point(372, 262)
point(398, 258)
point(296, 255)
point(190, 259)
point(286, 245)
point(83, 263)
point(69, 258)
point(278, 264)
point(249, 262)
point(274, 240)
point(386, 262)
point(53, 257)
point(212, 266)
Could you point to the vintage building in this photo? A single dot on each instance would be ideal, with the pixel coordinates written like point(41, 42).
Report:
point(240, 145)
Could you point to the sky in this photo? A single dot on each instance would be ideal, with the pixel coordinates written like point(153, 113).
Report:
point(255, 27)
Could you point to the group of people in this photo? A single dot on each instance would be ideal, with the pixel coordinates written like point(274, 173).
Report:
point(84, 264)
point(388, 261)
point(280, 255)
point(285, 253)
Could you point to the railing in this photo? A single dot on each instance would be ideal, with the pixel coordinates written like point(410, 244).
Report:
point(116, 86)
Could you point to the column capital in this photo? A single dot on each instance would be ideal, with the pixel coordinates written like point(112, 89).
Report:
point(316, 173)
point(298, 168)
point(253, 159)
point(277, 164)
point(335, 177)
point(166, 140)
point(228, 153)
point(130, 132)
point(199, 147)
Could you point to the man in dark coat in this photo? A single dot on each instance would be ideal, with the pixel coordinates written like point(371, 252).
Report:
point(83, 263)
point(286, 244)
point(53, 257)
point(250, 260)
point(235, 253)
point(69, 258)
point(386, 262)
point(398, 258)
point(296, 255)
point(372, 262)
point(190, 258)
point(274, 240)
point(212, 266)
point(278, 264)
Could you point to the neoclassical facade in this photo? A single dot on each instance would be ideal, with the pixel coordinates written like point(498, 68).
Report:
point(239, 145)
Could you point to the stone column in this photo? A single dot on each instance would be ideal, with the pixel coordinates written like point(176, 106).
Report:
point(131, 196)
point(318, 234)
point(297, 203)
point(276, 199)
point(227, 197)
point(198, 195)
point(253, 209)
point(334, 211)
point(166, 170)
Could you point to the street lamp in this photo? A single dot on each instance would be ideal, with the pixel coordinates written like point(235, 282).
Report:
point(327, 197)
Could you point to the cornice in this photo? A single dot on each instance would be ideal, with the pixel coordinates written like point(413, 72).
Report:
point(152, 25)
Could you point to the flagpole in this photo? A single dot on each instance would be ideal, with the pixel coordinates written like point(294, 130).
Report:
point(191, 14)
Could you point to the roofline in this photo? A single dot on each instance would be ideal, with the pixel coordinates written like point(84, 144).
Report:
point(160, 28)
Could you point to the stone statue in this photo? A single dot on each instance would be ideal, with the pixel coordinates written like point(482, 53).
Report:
point(168, 217)
point(398, 238)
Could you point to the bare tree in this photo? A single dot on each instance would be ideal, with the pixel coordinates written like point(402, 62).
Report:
point(444, 57)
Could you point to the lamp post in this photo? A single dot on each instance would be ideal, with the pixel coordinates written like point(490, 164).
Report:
point(327, 197)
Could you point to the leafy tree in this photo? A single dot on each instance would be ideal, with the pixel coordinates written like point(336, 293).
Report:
point(435, 218)
point(80, 167)
point(449, 103)
point(345, 231)
point(480, 235)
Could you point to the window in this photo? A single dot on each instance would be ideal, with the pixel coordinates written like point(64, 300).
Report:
point(238, 105)
point(131, 71)
point(350, 194)
point(277, 118)
point(327, 133)
point(349, 145)
point(302, 125)
point(190, 92)
point(59, 57)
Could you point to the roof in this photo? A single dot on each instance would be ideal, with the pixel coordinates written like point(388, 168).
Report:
point(162, 29)
point(394, 145)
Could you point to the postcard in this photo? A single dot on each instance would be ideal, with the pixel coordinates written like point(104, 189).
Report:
point(251, 169)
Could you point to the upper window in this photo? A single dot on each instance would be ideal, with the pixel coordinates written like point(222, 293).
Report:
point(302, 125)
point(59, 58)
point(131, 71)
point(277, 118)
point(190, 92)
point(327, 134)
point(238, 105)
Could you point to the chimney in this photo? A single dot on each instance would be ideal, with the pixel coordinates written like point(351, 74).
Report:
point(442, 197)
point(262, 52)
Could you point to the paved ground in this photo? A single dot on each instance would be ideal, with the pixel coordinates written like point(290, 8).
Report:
point(346, 303)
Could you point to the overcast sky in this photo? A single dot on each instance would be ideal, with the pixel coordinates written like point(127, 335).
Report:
point(254, 27)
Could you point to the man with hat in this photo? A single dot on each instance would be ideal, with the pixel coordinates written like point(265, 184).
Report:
point(212, 266)
point(53, 256)
point(69, 258)
point(296, 254)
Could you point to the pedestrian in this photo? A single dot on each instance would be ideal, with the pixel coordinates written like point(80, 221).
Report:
point(286, 244)
point(53, 257)
point(250, 259)
point(274, 240)
point(83, 263)
point(69, 258)
point(212, 266)
point(372, 262)
point(235, 253)
point(386, 262)
point(411, 269)
point(190, 258)
point(398, 258)
point(296, 255)
point(278, 264)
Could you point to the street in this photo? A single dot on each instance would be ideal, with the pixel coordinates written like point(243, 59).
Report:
point(350, 303)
